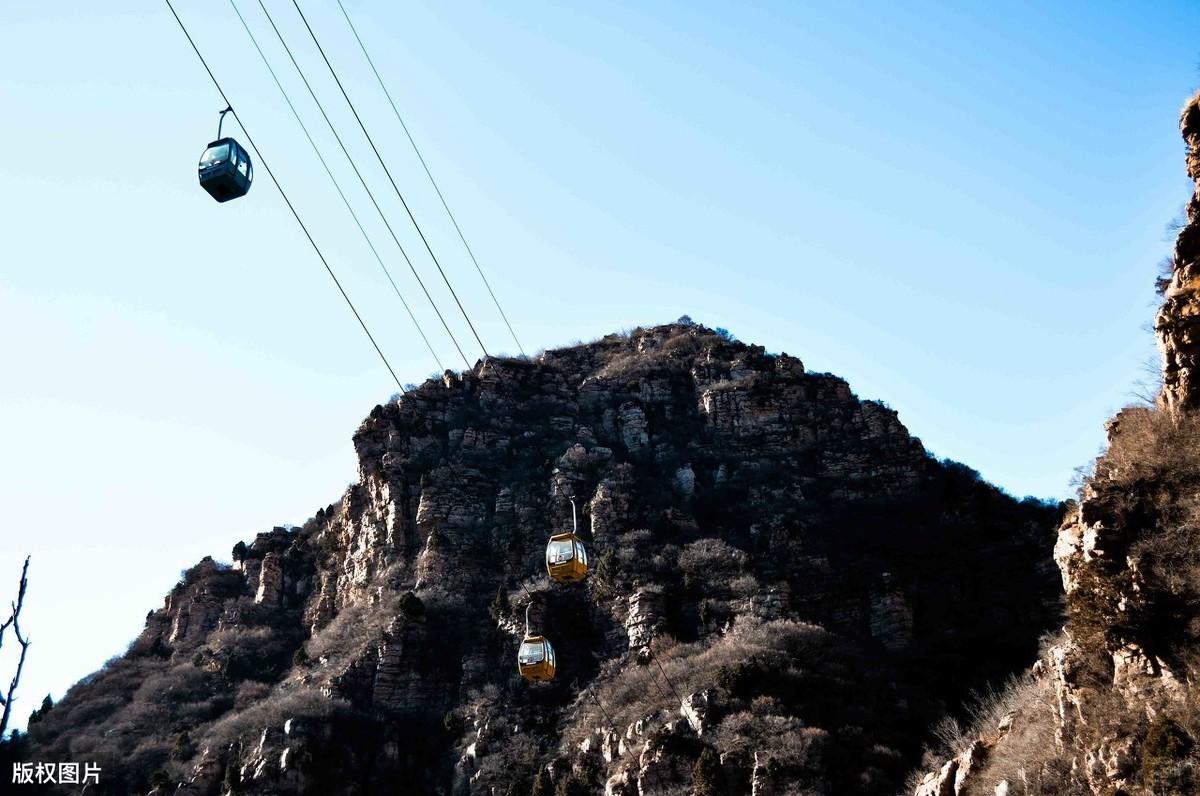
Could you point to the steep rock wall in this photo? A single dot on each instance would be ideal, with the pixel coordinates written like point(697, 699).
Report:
point(1177, 325)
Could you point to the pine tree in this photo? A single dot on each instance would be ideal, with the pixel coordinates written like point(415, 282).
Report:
point(500, 607)
point(572, 786)
point(707, 779)
point(542, 785)
point(184, 749)
point(41, 712)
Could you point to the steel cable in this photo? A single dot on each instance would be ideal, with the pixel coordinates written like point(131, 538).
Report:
point(429, 174)
point(279, 187)
point(336, 186)
point(391, 179)
point(362, 180)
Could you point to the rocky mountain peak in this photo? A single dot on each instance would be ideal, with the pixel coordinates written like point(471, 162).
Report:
point(782, 581)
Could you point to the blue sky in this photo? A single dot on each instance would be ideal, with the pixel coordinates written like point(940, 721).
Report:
point(957, 207)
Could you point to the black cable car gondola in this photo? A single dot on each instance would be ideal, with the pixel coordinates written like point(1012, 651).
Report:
point(225, 168)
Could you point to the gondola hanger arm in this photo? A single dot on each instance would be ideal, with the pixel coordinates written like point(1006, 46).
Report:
point(221, 121)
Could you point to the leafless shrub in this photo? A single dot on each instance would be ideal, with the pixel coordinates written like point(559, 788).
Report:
point(346, 633)
point(630, 553)
point(687, 340)
point(1028, 756)
point(663, 561)
point(235, 637)
point(488, 693)
point(1018, 723)
point(359, 624)
point(712, 557)
point(1081, 475)
point(629, 692)
point(1166, 270)
point(788, 740)
point(952, 735)
point(250, 692)
point(520, 752)
point(744, 586)
point(1020, 693)
point(1176, 224)
point(1152, 445)
point(181, 683)
point(1148, 385)
point(270, 712)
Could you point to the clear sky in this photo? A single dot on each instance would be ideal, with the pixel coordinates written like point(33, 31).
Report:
point(957, 207)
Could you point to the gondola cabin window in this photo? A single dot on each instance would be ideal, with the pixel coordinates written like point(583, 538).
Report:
point(531, 652)
point(214, 155)
point(561, 551)
point(225, 170)
point(566, 559)
point(535, 659)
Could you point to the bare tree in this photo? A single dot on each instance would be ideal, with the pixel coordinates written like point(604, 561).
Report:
point(14, 621)
point(1147, 388)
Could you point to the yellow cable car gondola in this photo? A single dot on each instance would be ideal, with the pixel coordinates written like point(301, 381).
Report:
point(535, 660)
point(535, 657)
point(566, 557)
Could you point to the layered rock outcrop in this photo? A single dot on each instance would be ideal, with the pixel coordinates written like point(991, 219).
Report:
point(782, 582)
point(1177, 325)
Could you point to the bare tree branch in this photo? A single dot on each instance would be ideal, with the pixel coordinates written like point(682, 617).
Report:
point(14, 621)
point(1147, 388)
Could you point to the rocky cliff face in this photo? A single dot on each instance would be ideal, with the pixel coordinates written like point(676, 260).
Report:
point(785, 592)
point(1111, 706)
point(1177, 324)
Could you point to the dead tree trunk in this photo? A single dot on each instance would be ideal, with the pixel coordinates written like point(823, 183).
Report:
point(14, 621)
